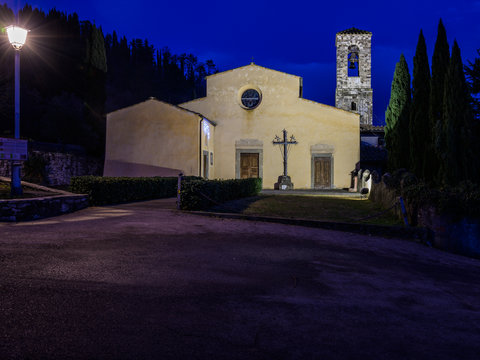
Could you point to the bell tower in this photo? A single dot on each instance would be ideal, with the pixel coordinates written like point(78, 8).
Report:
point(354, 73)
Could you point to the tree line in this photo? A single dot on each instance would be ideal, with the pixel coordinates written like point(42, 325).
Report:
point(72, 75)
point(433, 123)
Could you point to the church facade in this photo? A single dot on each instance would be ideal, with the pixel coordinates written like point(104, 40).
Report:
point(251, 105)
point(232, 132)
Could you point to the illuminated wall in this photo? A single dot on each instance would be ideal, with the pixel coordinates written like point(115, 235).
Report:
point(154, 138)
point(321, 130)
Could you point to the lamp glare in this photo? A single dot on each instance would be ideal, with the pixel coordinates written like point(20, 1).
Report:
point(17, 36)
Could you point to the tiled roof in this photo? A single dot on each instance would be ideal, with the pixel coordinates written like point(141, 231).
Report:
point(368, 127)
point(354, 30)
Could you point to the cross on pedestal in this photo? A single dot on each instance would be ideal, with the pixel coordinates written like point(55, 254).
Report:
point(284, 182)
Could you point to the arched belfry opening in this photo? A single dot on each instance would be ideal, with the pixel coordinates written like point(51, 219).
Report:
point(354, 73)
point(353, 61)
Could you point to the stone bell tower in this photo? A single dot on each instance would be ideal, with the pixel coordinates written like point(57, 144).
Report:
point(354, 73)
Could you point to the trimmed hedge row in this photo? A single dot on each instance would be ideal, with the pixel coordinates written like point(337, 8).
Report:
point(202, 194)
point(114, 190)
point(195, 194)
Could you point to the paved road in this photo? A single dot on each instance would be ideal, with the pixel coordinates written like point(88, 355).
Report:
point(140, 281)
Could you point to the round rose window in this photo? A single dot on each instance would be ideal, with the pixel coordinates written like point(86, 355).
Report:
point(250, 98)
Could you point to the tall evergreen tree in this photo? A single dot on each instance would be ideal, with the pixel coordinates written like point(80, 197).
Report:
point(460, 149)
point(420, 131)
point(397, 117)
point(440, 63)
point(65, 80)
point(472, 71)
point(95, 82)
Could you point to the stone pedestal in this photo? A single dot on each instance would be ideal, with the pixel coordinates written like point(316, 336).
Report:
point(284, 183)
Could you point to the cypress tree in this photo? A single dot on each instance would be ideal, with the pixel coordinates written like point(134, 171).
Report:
point(440, 63)
point(419, 121)
point(95, 90)
point(460, 162)
point(397, 118)
point(473, 77)
point(472, 71)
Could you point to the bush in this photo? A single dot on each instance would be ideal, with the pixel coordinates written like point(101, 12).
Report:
point(35, 169)
point(114, 190)
point(195, 190)
point(399, 180)
point(201, 194)
point(460, 201)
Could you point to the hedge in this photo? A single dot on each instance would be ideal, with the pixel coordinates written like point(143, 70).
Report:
point(195, 190)
point(114, 190)
point(201, 194)
point(460, 201)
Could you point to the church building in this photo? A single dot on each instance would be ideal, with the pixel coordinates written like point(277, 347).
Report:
point(237, 130)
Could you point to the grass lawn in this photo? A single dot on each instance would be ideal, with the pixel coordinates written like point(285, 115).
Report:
point(317, 207)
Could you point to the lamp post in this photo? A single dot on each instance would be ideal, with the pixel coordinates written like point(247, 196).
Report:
point(17, 37)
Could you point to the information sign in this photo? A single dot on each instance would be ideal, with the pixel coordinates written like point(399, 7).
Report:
point(13, 149)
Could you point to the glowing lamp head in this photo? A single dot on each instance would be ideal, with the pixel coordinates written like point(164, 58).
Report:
point(17, 36)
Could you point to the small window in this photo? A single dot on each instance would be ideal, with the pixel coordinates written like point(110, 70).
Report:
point(211, 158)
point(354, 106)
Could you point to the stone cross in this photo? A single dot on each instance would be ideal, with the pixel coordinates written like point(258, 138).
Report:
point(285, 144)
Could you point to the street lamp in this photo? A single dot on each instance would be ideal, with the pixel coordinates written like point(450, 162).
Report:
point(17, 37)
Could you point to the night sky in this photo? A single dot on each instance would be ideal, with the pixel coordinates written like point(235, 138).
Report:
point(297, 37)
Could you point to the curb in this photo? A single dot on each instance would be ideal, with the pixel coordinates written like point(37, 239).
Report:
point(419, 234)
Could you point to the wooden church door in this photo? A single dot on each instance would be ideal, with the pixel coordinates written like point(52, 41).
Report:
point(249, 165)
point(322, 172)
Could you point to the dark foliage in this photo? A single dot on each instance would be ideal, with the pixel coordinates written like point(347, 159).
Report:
point(35, 169)
point(472, 71)
point(461, 139)
point(399, 179)
point(420, 131)
point(436, 149)
point(397, 118)
point(137, 71)
point(444, 132)
point(459, 201)
point(114, 190)
point(202, 194)
point(71, 76)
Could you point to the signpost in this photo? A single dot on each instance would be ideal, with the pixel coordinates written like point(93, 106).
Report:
point(13, 149)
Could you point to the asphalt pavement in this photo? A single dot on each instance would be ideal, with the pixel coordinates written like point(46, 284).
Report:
point(143, 281)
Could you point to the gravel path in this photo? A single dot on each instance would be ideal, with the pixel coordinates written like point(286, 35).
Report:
point(140, 281)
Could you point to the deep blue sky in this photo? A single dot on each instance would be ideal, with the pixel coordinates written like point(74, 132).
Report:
point(297, 37)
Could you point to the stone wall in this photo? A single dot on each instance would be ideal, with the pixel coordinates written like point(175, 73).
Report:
point(60, 166)
point(461, 236)
point(37, 208)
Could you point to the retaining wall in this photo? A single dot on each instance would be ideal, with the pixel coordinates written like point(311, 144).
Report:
point(461, 236)
point(60, 166)
point(37, 208)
